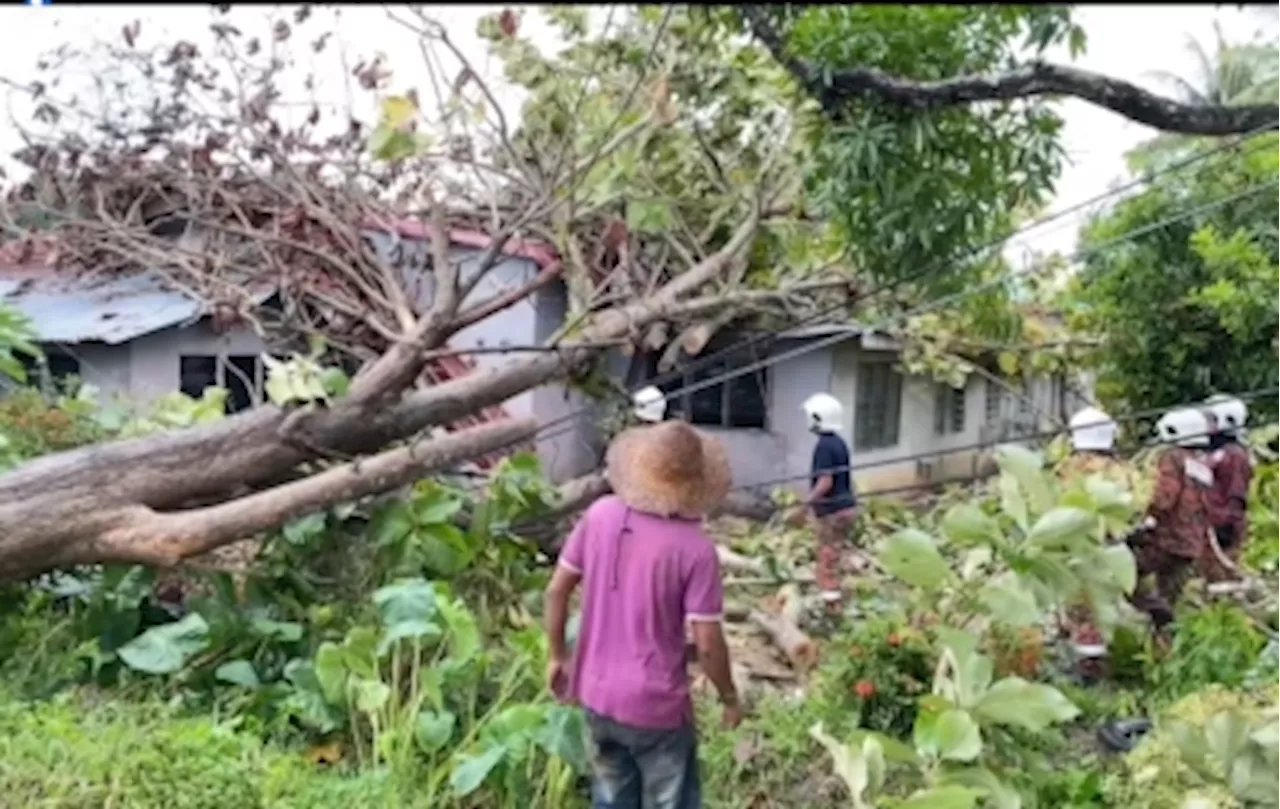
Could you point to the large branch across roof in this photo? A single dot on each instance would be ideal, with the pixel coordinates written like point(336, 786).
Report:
point(833, 88)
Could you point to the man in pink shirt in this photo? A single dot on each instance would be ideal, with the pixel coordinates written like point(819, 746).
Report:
point(647, 568)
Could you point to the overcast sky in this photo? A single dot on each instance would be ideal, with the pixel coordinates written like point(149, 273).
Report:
point(1128, 42)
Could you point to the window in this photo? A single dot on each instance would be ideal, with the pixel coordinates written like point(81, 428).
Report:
point(738, 402)
point(948, 410)
point(994, 403)
point(50, 373)
point(241, 375)
point(878, 409)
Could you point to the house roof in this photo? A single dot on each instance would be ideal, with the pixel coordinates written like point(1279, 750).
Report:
point(66, 308)
point(110, 310)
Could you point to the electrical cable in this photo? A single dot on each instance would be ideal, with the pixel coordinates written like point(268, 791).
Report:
point(925, 307)
point(1004, 278)
point(930, 268)
point(1135, 415)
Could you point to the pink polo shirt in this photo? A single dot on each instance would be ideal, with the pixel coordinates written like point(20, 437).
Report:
point(643, 576)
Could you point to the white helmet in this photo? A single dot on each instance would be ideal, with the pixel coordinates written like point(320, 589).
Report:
point(649, 405)
point(1092, 429)
point(1186, 427)
point(1231, 413)
point(824, 412)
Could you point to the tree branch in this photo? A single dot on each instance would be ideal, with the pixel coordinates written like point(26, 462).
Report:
point(145, 536)
point(836, 87)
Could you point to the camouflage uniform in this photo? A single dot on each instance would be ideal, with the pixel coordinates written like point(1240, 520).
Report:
point(1079, 622)
point(835, 540)
point(1227, 502)
point(1169, 550)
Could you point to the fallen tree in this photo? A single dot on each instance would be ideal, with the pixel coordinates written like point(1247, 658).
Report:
point(214, 188)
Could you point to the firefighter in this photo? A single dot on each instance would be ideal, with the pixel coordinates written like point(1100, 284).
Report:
point(832, 499)
point(1093, 438)
point(649, 405)
point(1229, 497)
point(1175, 531)
point(1093, 447)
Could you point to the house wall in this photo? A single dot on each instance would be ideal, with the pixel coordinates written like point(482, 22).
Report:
point(920, 456)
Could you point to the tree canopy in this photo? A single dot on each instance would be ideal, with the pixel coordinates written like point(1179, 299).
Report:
point(1190, 309)
point(689, 166)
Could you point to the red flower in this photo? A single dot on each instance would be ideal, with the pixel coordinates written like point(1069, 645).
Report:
point(865, 689)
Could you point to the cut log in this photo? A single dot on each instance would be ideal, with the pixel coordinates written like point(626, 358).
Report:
point(801, 652)
point(738, 563)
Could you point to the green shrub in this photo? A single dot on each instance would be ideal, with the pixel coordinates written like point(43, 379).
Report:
point(78, 753)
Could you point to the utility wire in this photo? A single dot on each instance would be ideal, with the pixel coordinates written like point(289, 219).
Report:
point(931, 268)
point(771, 337)
point(1136, 415)
point(926, 307)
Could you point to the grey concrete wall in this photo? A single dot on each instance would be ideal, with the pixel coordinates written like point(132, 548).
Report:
point(155, 359)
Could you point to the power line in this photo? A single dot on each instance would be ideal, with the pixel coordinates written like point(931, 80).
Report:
point(1135, 415)
point(961, 481)
point(931, 268)
point(740, 345)
point(927, 306)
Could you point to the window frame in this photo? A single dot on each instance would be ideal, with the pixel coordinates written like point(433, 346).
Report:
point(889, 433)
point(225, 367)
point(950, 409)
point(682, 405)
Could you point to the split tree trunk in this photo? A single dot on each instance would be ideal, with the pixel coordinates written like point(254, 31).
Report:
point(131, 500)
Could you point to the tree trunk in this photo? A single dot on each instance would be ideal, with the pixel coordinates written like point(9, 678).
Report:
point(124, 500)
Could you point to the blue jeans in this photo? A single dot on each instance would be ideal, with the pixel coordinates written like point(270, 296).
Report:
point(642, 768)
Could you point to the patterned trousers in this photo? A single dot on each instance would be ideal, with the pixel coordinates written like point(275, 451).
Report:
point(835, 540)
point(1170, 573)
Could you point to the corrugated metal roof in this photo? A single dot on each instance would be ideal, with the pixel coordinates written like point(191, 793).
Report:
point(112, 310)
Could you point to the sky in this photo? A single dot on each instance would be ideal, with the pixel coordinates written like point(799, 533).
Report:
point(1128, 42)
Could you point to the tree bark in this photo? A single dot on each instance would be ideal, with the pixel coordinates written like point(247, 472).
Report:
point(834, 88)
point(107, 502)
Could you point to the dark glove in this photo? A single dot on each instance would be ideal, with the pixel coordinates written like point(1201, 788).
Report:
point(1138, 537)
point(1226, 535)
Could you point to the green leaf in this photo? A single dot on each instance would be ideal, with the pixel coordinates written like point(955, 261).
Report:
point(360, 652)
point(1009, 602)
point(405, 630)
point(999, 795)
point(1120, 568)
point(1027, 468)
point(301, 531)
point(406, 600)
point(284, 631)
point(433, 730)
point(1012, 502)
point(464, 634)
point(1062, 528)
point(1227, 734)
point(951, 735)
point(1014, 701)
point(238, 672)
point(912, 556)
point(1008, 363)
point(371, 695)
point(471, 770)
point(435, 505)
point(331, 672)
point(966, 524)
point(947, 797)
point(648, 216)
point(445, 549)
point(563, 734)
point(850, 763)
point(166, 648)
point(391, 524)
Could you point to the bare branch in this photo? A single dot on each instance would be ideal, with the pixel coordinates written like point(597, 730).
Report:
point(833, 88)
